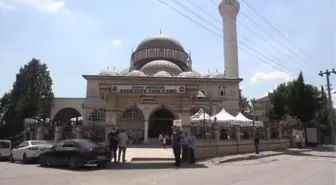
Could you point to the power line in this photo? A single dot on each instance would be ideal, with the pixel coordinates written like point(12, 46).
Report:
point(292, 56)
point(202, 10)
point(240, 42)
point(267, 22)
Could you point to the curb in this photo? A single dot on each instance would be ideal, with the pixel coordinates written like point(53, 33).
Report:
point(151, 159)
point(244, 158)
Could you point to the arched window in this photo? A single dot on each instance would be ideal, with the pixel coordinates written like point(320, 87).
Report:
point(161, 53)
point(170, 54)
point(132, 114)
point(97, 115)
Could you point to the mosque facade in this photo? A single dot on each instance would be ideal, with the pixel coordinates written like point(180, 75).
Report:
point(159, 86)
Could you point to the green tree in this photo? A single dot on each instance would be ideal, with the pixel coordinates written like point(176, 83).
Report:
point(246, 105)
point(297, 99)
point(31, 96)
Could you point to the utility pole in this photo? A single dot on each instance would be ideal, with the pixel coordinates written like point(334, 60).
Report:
point(327, 73)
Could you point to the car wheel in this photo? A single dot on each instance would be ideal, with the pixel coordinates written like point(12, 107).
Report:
point(73, 163)
point(11, 158)
point(25, 159)
point(43, 161)
point(101, 164)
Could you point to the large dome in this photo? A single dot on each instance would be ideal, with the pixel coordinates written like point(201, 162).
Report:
point(160, 41)
point(155, 66)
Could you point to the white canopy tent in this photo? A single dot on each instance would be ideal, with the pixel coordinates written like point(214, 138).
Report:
point(199, 116)
point(247, 122)
point(243, 121)
point(223, 117)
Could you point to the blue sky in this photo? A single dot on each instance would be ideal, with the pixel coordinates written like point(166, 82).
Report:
point(76, 37)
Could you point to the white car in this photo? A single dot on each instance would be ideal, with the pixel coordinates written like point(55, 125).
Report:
point(5, 148)
point(29, 150)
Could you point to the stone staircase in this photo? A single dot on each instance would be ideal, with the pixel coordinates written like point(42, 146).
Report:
point(151, 151)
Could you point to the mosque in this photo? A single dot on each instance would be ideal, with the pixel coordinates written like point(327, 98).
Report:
point(159, 86)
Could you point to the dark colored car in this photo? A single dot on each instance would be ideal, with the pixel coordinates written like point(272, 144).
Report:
point(75, 153)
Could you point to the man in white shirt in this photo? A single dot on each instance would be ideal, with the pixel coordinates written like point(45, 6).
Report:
point(123, 138)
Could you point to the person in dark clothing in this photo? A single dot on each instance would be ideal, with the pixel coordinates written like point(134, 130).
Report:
point(113, 137)
point(256, 141)
point(176, 145)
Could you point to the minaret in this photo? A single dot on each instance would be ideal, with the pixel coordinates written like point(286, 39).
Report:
point(189, 62)
point(229, 9)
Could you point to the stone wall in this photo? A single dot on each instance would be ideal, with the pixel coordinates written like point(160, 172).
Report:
point(213, 148)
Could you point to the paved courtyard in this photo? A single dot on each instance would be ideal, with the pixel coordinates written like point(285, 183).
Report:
point(304, 167)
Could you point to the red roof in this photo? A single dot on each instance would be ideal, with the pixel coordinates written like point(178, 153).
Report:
point(263, 99)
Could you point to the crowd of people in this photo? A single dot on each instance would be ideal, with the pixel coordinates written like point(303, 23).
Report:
point(183, 145)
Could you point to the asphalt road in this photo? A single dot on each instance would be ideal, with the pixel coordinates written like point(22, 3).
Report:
point(304, 168)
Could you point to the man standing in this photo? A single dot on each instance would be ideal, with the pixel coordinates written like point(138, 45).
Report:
point(185, 147)
point(113, 137)
point(256, 141)
point(176, 145)
point(123, 138)
point(191, 147)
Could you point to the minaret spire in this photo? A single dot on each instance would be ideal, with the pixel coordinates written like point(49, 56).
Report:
point(160, 31)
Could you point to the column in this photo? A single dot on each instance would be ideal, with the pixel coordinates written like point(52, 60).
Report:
point(79, 132)
point(268, 133)
point(238, 138)
point(146, 131)
point(280, 133)
point(186, 123)
point(40, 133)
point(238, 134)
point(58, 133)
point(111, 122)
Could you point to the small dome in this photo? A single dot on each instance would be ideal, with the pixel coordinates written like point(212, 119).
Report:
point(109, 73)
point(155, 66)
point(190, 74)
point(162, 74)
point(135, 73)
point(217, 75)
point(207, 75)
point(160, 41)
point(125, 71)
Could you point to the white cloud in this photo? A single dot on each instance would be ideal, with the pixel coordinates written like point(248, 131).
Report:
point(6, 6)
point(271, 77)
point(51, 6)
point(117, 42)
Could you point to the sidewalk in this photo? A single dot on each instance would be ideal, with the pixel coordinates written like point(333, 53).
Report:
point(248, 156)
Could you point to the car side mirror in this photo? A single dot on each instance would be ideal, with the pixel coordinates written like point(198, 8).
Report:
point(53, 147)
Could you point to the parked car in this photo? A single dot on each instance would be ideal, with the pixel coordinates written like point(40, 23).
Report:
point(5, 149)
point(29, 151)
point(75, 153)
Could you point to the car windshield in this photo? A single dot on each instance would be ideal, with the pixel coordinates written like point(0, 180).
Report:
point(41, 142)
point(4, 144)
point(87, 143)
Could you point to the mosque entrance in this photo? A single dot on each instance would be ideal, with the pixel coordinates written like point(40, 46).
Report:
point(161, 121)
